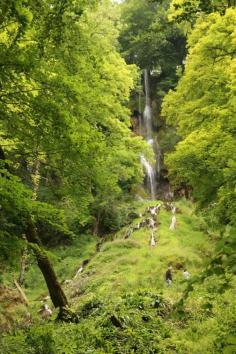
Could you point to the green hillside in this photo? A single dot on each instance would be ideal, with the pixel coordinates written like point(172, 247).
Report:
point(124, 264)
point(123, 302)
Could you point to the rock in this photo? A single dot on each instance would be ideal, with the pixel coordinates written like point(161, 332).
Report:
point(173, 223)
point(152, 241)
point(154, 210)
point(151, 223)
point(45, 312)
point(79, 271)
point(173, 210)
point(128, 233)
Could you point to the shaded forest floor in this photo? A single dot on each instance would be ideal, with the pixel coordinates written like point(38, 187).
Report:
point(121, 297)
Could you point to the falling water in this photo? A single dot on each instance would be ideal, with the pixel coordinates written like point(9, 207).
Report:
point(147, 114)
point(150, 175)
point(147, 117)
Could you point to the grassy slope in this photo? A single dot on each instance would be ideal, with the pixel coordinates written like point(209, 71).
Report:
point(125, 281)
point(131, 264)
point(122, 264)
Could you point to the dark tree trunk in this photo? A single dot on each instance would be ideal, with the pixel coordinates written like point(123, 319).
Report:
point(55, 290)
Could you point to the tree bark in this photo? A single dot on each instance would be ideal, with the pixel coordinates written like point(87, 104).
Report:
point(55, 290)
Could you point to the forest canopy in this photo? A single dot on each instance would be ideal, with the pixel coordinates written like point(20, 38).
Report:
point(67, 143)
point(205, 117)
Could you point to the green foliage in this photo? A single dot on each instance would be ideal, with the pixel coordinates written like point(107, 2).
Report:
point(97, 332)
point(69, 143)
point(150, 41)
point(125, 307)
point(205, 118)
point(17, 207)
point(188, 11)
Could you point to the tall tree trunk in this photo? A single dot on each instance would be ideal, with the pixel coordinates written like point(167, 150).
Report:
point(55, 290)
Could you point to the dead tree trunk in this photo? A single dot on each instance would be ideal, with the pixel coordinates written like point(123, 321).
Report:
point(55, 290)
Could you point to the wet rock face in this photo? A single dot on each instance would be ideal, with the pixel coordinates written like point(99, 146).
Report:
point(45, 312)
point(149, 220)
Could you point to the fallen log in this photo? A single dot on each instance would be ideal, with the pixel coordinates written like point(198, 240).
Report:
point(21, 292)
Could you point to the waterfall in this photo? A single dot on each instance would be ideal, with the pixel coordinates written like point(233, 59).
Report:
point(150, 175)
point(147, 120)
point(147, 114)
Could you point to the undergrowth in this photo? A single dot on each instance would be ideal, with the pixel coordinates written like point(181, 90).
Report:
point(123, 303)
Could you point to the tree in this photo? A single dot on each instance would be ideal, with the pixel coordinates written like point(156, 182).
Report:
point(149, 40)
point(205, 118)
point(185, 10)
point(65, 125)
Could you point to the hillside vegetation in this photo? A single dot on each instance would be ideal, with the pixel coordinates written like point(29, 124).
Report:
point(123, 302)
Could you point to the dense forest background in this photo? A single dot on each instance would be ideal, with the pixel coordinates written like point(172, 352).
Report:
point(72, 188)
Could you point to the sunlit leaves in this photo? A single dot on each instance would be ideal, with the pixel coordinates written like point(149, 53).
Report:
point(205, 117)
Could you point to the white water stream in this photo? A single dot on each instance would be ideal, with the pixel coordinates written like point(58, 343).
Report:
point(147, 120)
point(150, 175)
